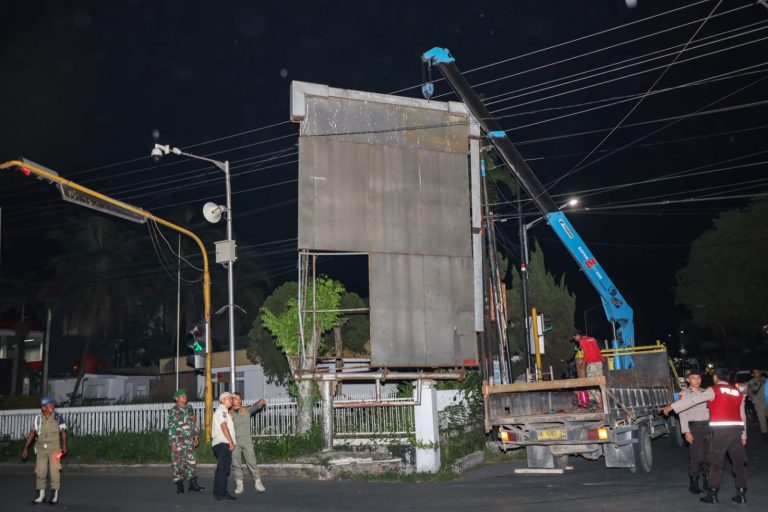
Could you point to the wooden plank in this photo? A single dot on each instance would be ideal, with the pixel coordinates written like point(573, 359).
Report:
point(547, 385)
point(539, 471)
point(547, 418)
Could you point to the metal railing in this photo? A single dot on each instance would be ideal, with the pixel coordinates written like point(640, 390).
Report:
point(276, 419)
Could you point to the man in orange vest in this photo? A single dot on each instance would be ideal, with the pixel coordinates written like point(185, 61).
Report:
point(727, 422)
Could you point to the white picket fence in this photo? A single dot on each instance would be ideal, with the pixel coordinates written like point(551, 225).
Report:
point(278, 418)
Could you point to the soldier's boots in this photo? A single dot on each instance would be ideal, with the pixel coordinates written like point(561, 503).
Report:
point(55, 498)
point(194, 486)
point(694, 487)
point(239, 486)
point(179, 486)
point(40, 498)
point(741, 496)
point(711, 496)
point(259, 486)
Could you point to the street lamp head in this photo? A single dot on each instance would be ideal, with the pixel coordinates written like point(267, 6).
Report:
point(569, 203)
point(158, 151)
point(156, 155)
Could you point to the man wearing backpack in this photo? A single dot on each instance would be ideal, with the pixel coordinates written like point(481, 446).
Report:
point(756, 392)
point(51, 433)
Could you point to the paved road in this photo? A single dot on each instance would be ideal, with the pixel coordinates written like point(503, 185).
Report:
point(494, 487)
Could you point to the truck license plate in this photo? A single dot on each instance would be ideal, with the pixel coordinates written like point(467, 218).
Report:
point(553, 433)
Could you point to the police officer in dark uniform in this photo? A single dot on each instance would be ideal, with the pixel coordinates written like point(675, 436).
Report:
point(694, 424)
point(727, 423)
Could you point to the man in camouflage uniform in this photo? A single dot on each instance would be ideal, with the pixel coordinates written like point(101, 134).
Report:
point(183, 439)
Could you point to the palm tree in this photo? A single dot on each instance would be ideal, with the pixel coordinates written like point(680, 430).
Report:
point(99, 270)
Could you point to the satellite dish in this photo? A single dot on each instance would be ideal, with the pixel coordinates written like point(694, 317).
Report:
point(212, 212)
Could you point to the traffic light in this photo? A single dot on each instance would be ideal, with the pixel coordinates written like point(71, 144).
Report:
point(547, 322)
point(196, 344)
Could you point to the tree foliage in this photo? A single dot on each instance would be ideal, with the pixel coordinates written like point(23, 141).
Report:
point(324, 296)
point(285, 326)
point(263, 349)
point(725, 282)
point(551, 297)
point(355, 327)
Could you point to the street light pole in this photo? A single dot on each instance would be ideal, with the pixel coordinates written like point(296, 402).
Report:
point(524, 261)
point(227, 256)
point(524, 279)
point(231, 282)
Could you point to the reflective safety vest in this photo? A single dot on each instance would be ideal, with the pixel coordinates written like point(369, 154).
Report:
point(725, 408)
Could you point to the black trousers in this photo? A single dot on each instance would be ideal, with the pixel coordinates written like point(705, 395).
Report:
point(223, 466)
point(697, 451)
point(727, 440)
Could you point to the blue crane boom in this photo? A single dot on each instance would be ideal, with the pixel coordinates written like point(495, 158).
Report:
point(618, 312)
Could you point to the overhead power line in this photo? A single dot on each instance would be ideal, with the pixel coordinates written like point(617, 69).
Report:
point(696, 112)
point(564, 43)
point(614, 66)
point(648, 91)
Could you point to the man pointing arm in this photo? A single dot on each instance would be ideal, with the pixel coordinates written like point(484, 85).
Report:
point(729, 435)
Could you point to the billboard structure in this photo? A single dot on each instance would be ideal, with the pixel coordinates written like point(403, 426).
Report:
point(388, 176)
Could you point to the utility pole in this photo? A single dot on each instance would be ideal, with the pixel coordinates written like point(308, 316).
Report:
point(178, 310)
point(46, 348)
point(524, 277)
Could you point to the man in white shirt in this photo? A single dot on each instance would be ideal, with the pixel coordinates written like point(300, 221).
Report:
point(223, 443)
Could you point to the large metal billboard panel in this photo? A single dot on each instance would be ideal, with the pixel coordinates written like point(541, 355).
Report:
point(395, 190)
point(388, 176)
point(421, 313)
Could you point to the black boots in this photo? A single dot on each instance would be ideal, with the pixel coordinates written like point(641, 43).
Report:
point(740, 496)
point(694, 487)
point(194, 486)
point(711, 496)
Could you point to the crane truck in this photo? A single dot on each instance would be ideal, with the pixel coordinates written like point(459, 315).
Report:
point(544, 416)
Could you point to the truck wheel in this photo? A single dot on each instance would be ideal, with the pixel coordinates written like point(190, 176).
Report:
point(675, 435)
point(642, 450)
point(561, 461)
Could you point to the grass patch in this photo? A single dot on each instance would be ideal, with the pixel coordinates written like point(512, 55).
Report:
point(288, 447)
point(152, 448)
point(494, 455)
point(460, 444)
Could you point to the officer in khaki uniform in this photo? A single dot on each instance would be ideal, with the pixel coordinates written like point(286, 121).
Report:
point(51, 433)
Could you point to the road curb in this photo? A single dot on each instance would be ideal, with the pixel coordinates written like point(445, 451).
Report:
point(284, 470)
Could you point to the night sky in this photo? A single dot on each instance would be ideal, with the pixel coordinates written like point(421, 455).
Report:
point(86, 84)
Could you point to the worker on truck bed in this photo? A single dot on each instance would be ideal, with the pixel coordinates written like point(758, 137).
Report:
point(592, 354)
point(593, 358)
